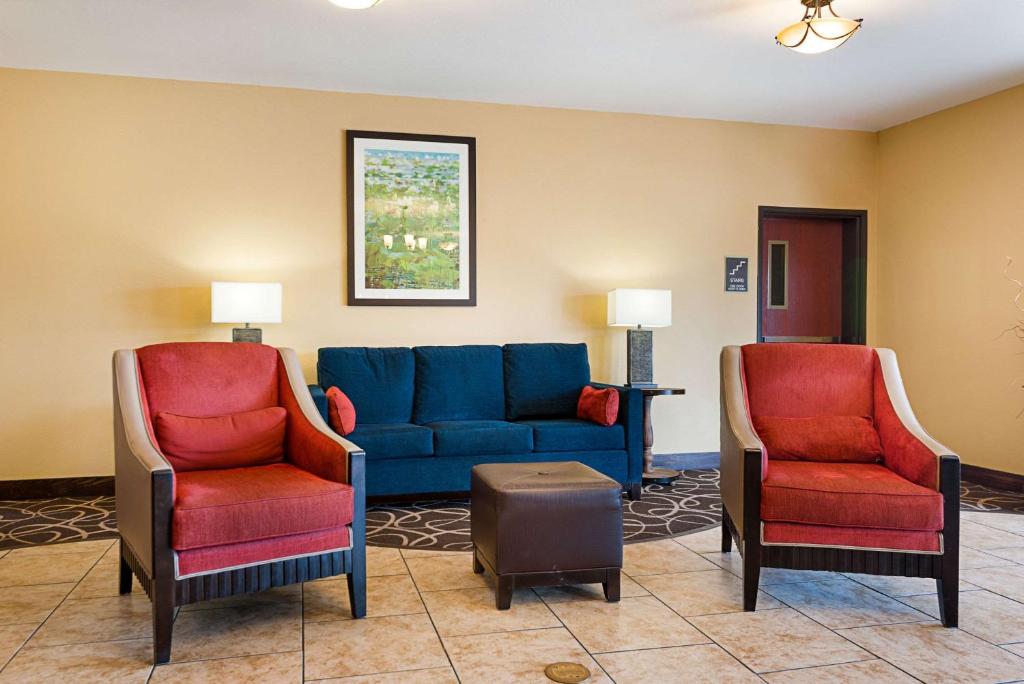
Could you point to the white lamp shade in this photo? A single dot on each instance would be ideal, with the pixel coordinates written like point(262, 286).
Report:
point(245, 302)
point(646, 308)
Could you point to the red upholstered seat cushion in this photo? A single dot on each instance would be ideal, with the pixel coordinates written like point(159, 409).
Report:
point(820, 438)
point(847, 495)
point(212, 558)
point(215, 507)
point(599, 406)
point(341, 412)
point(242, 439)
point(857, 537)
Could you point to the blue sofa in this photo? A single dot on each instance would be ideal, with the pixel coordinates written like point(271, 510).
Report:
point(425, 416)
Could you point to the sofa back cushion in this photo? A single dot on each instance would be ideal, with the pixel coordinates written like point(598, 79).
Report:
point(378, 380)
point(805, 380)
point(208, 379)
point(458, 383)
point(238, 440)
point(544, 380)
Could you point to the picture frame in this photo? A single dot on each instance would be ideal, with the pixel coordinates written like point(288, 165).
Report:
point(411, 215)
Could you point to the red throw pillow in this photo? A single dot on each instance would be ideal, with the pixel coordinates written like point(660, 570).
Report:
point(341, 413)
point(599, 406)
point(850, 439)
point(242, 439)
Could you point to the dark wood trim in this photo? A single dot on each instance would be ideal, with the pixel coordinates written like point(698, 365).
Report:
point(855, 263)
point(995, 479)
point(55, 487)
point(350, 137)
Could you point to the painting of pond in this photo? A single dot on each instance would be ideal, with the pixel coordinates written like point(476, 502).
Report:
point(411, 217)
point(412, 220)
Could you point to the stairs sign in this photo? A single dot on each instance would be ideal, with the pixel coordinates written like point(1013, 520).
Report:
point(736, 269)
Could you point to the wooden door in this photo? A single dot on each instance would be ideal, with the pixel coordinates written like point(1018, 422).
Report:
point(801, 280)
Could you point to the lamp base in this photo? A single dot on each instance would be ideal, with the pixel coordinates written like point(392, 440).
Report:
point(639, 358)
point(254, 335)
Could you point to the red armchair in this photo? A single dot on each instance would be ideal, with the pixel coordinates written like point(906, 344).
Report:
point(228, 481)
point(825, 467)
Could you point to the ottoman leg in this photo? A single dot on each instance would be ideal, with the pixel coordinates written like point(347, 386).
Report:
point(478, 567)
point(611, 587)
point(503, 592)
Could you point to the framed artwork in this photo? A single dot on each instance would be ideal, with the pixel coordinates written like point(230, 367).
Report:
point(411, 219)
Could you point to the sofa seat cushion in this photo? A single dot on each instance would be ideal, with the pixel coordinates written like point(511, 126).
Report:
point(458, 383)
point(480, 437)
point(544, 380)
point(215, 507)
point(572, 434)
point(216, 558)
point(379, 381)
point(847, 495)
point(393, 440)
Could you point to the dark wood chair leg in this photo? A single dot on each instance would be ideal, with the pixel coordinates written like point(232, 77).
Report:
point(503, 592)
point(163, 620)
point(635, 491)
point(357, 578)
point(948, 585)
point(357, 583)
point(124, 577)
point(751, 575)
point(949, 602)
point(478, 567)
point(726, 534)
point(611, 587)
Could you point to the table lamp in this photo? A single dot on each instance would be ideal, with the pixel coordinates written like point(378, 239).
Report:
point(245, 303)
point(639, 309)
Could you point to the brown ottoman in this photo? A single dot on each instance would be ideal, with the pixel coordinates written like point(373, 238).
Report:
point(542, 524)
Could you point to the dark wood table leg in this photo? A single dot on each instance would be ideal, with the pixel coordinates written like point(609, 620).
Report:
point(653, 475)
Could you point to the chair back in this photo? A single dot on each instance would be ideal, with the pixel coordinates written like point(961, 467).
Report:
point(809, 380)
point(208, 379)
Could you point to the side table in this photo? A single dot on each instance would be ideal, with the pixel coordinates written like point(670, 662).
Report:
point(654, 475)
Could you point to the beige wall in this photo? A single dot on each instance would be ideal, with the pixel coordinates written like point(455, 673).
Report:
point(952, 211)
point(121, 199)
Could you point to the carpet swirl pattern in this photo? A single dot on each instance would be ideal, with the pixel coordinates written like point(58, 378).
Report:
point(690, 504)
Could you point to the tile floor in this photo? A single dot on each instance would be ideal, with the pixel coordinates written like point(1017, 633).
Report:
point(432, 620)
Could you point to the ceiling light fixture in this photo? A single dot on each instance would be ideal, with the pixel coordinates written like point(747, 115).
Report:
point(816, 33)
point(355, 4)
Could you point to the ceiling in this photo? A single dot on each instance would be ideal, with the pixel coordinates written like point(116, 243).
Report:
point(695, 58)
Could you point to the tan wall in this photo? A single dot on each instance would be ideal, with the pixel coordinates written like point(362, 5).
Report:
point(121, 199)
point(952, 211)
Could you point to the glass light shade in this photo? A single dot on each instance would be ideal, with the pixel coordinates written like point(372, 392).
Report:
point(245, 302)
point(355, 4)
point(645, 308)
point(813, 36)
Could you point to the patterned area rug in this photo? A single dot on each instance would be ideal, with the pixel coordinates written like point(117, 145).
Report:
point(690, 504)
point(51, 521)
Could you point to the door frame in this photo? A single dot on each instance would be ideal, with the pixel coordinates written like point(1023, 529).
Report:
point(855, 264)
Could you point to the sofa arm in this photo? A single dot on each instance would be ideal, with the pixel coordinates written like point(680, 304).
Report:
point(743, 456)
point(909, 450)
point(143, 479)
point(631, 418)
point(320, 401)
point(310, 443)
